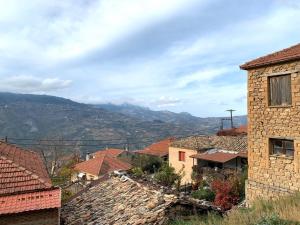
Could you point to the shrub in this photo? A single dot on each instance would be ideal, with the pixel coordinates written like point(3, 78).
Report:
point(226, 195)
point(137, 171)
point(204, 193)
point(166, 175)
point(148, 163)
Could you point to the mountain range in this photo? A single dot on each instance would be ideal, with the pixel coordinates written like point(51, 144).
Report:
point(32, 120)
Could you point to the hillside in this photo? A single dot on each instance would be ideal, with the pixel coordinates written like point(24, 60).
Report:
point(47, 117)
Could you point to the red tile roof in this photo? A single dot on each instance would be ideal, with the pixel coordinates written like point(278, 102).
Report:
point(159, 149)
point(220, 157)
point(102, 164)
point(289, 54)
point(24, 181)
point(111, 151)
point(21, 170)
point(242, 130)
point(30, 201)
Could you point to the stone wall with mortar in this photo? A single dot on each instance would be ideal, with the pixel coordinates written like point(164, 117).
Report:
point(271, 176)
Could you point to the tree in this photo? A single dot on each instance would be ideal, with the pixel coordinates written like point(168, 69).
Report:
point(167, 175)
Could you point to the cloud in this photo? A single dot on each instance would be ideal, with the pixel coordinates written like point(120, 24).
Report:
point(31, 84)
point(181, 55)
point(166, 101)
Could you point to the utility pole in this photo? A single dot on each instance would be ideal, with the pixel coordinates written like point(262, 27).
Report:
point(231, 118)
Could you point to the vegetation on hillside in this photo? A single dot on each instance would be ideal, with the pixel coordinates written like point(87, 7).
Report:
point(283, 211)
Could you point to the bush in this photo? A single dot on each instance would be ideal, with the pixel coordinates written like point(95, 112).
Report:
point(149, 164)
point(226, 195)
point(137, 171)
point(166, 175)
point(204, 193)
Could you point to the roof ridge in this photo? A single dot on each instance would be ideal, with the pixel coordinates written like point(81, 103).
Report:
point(256, 62)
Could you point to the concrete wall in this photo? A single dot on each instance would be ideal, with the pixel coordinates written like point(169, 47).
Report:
point(271, 176)
point(40, 217)
point(187, 165)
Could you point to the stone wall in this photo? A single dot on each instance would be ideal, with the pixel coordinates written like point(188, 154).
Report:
point(272, 176)
point(187, 165)
point(40, 217)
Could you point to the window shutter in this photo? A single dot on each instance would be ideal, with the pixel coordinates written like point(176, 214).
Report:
point(286, 90)
point(280, 90)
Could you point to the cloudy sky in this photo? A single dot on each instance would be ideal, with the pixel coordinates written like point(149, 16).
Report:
point(177, 55)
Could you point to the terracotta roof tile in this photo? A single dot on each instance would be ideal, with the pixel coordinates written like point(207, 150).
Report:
point(111, 151)
point(102, 164)
point(159, 149)
point(30, 201)
point(285, 55)
point(21, 170)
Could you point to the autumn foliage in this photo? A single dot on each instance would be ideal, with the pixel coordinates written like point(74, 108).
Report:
point(226, 194)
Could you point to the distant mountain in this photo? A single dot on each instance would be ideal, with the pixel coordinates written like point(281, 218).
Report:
point(203, 125)
point(24, 116)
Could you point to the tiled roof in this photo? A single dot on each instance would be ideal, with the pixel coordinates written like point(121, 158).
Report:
point(111, 151)
point(285, 55)
point(21, 170)
point(102, 164)
point(242, 130)
point(220, 157)
point(160, 148)
point(30, 201)
point(117, 201)
point(202, 143)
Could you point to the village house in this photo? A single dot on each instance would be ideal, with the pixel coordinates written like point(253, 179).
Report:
point(201, 154)
point(159, 149)
point(98, 164)
point(273, 124)
point(27, 195)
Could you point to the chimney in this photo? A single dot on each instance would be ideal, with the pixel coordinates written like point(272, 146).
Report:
point(87, 156)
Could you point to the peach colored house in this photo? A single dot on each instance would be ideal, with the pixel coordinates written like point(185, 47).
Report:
point(197, 152)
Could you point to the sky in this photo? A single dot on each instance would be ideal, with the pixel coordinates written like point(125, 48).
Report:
point(176, 55)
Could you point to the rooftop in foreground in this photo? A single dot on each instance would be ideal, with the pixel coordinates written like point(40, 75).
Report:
point(24, 181)
point(122, 202)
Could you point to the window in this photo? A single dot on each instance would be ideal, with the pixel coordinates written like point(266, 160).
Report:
point(282, 147)
point(181, 156)
point(280, 93)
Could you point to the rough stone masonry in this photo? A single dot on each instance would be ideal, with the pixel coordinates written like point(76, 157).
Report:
point(271, 175)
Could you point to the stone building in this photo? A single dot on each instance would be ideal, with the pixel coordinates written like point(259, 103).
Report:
point(196, 153)
point(26, 192)
point(273, 124)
